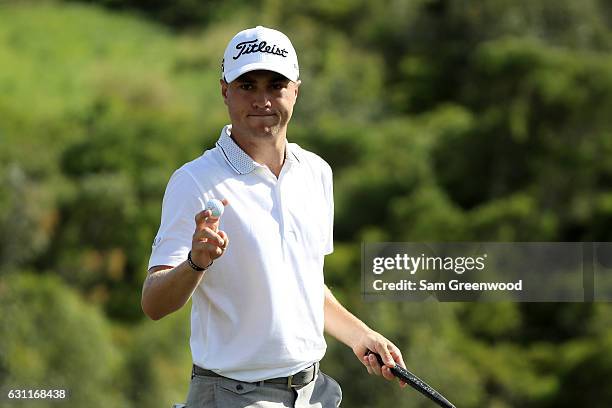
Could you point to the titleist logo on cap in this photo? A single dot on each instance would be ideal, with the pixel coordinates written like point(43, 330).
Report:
point(250, 47)
point(259, 48)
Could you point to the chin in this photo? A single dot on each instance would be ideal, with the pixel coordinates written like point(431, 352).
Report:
point(267, 131)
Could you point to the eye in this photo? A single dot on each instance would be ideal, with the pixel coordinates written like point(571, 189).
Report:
point(246, 86)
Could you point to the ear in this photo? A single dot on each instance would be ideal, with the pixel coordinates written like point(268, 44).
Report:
point(297, 87)
point(224, 87)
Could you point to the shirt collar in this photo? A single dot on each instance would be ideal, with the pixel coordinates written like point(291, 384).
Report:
point(239, 160)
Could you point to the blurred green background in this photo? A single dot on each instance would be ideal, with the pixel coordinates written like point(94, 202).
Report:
point(443, 121)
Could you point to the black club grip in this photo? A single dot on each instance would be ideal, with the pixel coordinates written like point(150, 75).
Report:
point(416, 383)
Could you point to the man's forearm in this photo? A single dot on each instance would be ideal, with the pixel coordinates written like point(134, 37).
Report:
point(342, 324)
point(167, 290)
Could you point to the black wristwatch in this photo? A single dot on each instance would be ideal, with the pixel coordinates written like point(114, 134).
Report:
point(196, 267)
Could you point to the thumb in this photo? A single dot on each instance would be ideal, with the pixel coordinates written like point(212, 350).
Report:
point(385, 355)
point(201, 219)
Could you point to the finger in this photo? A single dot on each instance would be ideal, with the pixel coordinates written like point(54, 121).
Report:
point(200, 219)
point(223, 235)
point(216, 251)
point(213, 251)
point(366, 362)
point(368, 367)
point(382, 349)
point(213, 222)
point(396, 354)
point(208, 235)
point(214, 238)
point(386, 355)
point(374, 364)
point(387, 374)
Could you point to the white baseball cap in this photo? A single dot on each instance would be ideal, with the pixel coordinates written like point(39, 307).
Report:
point(260, 48)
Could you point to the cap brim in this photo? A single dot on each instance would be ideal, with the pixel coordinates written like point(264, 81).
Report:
point(266, 66)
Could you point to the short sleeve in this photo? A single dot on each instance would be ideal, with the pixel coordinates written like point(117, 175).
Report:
point(328, 247)
point(182, 201)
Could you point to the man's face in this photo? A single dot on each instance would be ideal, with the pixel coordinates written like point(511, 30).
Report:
point(260, 103)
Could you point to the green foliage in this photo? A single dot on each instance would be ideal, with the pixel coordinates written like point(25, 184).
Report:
point(51, 339)
point(158, 360)
point(590, 372)
point(179, 14)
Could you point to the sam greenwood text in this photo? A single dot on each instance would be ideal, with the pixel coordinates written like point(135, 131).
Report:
point(453, 285)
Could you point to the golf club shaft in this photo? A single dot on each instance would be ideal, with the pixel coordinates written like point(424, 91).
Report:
point(416, 383)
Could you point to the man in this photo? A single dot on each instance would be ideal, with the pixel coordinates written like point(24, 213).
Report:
point(260, 305)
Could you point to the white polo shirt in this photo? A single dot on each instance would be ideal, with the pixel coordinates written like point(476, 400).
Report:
point(258, 311)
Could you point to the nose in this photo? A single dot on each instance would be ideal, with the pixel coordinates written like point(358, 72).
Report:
point(262, 100)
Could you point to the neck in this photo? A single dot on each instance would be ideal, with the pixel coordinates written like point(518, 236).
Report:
point(266, 150)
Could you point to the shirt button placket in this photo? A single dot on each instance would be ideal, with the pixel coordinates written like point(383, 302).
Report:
point(279, 199)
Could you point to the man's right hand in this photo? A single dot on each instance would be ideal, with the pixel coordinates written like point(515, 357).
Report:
point(208, 242)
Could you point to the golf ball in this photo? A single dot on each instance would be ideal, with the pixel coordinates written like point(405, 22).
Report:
point(216, 207)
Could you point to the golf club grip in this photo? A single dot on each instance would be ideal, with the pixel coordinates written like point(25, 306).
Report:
point(416, 383)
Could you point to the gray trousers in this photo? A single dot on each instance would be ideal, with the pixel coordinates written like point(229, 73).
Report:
point(220, 392)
